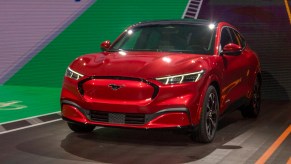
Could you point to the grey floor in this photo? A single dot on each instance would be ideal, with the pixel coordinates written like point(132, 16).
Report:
point(238, 141)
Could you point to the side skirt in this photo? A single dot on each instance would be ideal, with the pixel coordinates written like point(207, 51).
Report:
point(235, 106)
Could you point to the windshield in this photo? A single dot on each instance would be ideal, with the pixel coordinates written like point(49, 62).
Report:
point(184, 38)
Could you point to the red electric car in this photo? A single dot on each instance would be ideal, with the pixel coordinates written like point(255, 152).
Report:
point(164, 74)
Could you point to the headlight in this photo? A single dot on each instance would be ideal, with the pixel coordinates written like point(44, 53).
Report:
point(178, 79)
point(73, 74)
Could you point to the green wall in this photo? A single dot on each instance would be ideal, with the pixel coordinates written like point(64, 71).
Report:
point(104, 20)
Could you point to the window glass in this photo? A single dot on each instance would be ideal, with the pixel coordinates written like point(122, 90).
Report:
point(235, 37)
point(225, 37)
point(241, 39)
point(182, 38)
point(131, 42)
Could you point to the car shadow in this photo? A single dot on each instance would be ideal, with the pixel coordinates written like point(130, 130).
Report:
point(55, 142)
point(115, 145)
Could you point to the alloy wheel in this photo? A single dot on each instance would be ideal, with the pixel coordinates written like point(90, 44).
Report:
point(256, 102)
point(211, 115)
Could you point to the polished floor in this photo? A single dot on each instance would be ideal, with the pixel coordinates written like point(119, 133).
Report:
point(266, 139)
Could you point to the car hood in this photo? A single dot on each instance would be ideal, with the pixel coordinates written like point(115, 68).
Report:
point(138, 64)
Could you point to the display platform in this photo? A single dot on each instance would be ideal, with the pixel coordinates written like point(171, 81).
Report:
point(264, 140)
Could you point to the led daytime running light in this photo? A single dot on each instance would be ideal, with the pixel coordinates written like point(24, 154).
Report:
point(73, 74)
point(178, 79)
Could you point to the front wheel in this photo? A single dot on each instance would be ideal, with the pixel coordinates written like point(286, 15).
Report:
point(81, 128)
point(209, 117)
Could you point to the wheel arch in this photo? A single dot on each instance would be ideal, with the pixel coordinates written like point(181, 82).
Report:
point(211, 80)
point(259, 77)
point(217, 87)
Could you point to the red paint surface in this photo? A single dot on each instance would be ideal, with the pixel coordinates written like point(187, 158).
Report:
point(234, 74)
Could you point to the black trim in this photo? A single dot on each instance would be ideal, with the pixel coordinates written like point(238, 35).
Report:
point(168, 110)
point(82, 110)
point(236, 105)
point(148, 117)
point(179, 21)
point(156, 88)
point(73, 121)
point(189, 128)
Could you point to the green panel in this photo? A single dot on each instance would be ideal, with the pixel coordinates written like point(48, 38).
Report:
point(104, 20)
point(18, 102)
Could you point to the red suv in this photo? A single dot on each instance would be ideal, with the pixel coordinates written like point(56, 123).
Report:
point(164, 74)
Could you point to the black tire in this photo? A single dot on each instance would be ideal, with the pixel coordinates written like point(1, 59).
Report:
point(81, 128)
point(209, 117)
point(253, 109)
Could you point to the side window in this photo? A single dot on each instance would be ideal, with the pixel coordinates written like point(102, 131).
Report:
point(235, 37)
point(225, 37)
point(242, 40)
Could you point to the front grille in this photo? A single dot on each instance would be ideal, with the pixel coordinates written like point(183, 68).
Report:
point(82, 92)
point(99, 116)
point(134, 118)
point(120, 118)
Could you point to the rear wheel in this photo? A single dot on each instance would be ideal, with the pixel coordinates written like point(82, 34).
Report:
point(253, 109)
point(81, 128)
point(209, 117)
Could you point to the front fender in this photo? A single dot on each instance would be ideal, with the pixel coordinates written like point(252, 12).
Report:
point(212, 79)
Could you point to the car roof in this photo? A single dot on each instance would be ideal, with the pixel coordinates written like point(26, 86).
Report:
point(178, 21)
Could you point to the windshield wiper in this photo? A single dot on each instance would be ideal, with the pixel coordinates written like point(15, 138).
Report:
point(112, 50)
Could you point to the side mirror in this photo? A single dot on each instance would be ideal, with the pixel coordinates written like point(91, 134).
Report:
point(231, 49)
point(105, 45)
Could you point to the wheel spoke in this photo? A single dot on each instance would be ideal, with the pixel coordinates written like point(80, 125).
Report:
point(256, 98)
point(211, 114)
point(212, 123)
point(207, 127)
point(208, 107)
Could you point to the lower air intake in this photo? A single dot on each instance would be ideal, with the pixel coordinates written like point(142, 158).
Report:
point(118, 118)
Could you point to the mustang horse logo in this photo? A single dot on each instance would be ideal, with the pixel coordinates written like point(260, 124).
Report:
point(115, 87)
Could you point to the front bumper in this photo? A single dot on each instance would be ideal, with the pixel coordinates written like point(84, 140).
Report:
point(138, 104)
point(166, 118)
